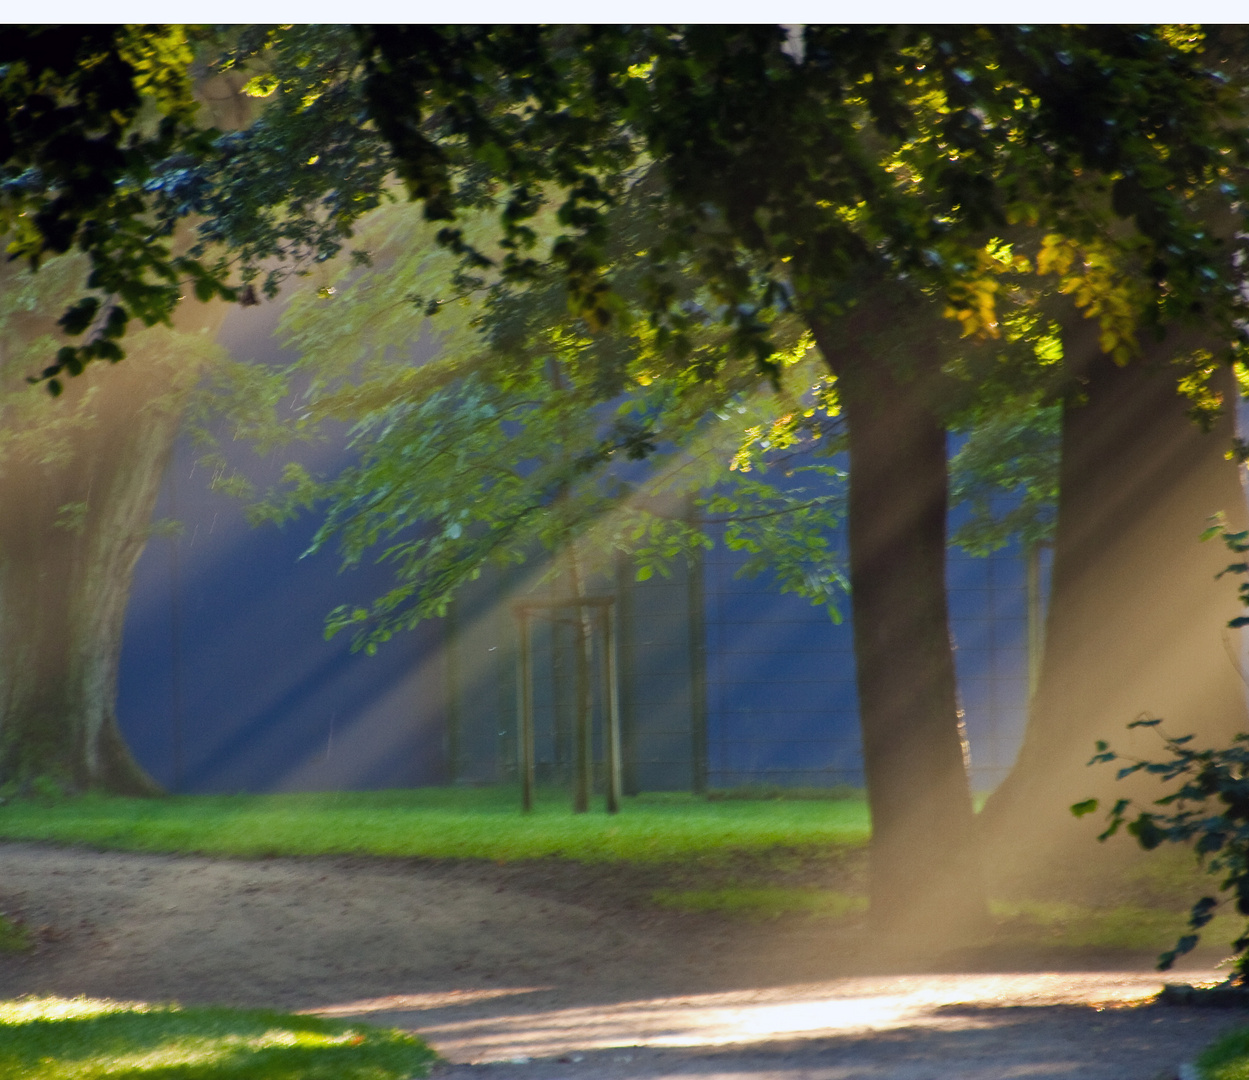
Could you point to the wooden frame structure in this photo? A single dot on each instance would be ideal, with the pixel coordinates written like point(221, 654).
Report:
point(604, 608)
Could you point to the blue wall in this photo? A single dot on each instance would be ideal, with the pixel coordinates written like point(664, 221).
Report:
point(782, 700)
point(226, 681)
point(261, 702)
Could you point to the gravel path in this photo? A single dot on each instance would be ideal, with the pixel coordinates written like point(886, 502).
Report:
point(532, 972)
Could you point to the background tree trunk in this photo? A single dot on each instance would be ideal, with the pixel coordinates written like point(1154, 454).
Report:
point(925, 872)
point(77, 497)
point(1137, 620)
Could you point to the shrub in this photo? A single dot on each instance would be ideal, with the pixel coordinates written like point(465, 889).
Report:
point(1209, 810)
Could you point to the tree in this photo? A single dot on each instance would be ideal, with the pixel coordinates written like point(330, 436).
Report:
point(513, 429)
point(901, 165)
point(140, 147)
point(1007, 475)
point(80, 478)
point(1137, 617)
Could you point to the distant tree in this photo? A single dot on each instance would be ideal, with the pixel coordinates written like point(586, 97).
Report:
point(79, 478)
point(1006, 474)
point(98, 127)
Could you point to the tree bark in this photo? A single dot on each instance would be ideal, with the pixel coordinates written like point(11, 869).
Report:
point(925, 872)
point(1137, 621)
point(77, 497)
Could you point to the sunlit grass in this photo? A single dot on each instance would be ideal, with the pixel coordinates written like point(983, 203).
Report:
point(14, 937)
point(483, 823)
point(1227, 1059)
point(85, 1039)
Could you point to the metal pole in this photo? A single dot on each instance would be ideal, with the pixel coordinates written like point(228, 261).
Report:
point(524, 694)
point(175, 639)
point(611, 699)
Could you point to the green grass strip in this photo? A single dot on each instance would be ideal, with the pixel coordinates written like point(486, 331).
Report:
point(484, 823)
point(84, 1039)
point(1226, 1059)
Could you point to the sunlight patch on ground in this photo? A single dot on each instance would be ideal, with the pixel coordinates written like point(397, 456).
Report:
point(839, 1007)
point(404, 1002)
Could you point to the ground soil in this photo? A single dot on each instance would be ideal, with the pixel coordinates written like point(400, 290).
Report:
point(550, 970)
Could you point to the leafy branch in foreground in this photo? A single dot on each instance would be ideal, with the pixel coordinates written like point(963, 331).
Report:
point(1209, 810)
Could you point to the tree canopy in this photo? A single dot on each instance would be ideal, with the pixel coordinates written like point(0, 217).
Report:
point(902, 150)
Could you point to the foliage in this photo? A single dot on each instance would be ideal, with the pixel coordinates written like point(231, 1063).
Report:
point(502, 428)
point(908, 152)
point(1007, 474)
point(1218, 833)
point(104, 148)
point(887, 147)
point(90, 1039)
point(1209, 809)
point(89, 111)
point(438, 823)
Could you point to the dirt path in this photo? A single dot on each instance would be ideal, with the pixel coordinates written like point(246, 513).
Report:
point(556, 964)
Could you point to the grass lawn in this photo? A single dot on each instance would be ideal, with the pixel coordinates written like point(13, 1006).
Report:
point(1227, 1059)
point(755, 858)
point(481, 823)
point(84, 1039)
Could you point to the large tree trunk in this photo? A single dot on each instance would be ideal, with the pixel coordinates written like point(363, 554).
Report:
point(925, 873)
point(79, 479)
point(77, 492)
point(1137, 621)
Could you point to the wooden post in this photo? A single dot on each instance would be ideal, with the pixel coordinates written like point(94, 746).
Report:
point(524, 695)
point(583, 779)
point(611, 705)
point(696, 621)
